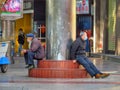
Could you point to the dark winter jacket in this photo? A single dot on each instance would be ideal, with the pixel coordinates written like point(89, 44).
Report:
point(37, 48)
point(77, 48)
point(21, 39)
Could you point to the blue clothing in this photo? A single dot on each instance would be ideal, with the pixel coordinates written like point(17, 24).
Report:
point(87, 48)
point(36, 51)
point(19, 49)
point(29, 57)
point(88, 65)
point(78, 52)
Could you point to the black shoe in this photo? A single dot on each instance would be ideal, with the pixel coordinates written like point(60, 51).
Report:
point(31, 66)
point(26, 66)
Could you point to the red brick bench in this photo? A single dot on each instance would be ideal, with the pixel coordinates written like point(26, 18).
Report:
point(58, 69)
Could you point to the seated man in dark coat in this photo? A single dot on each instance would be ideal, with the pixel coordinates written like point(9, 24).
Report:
point(35, 51)
point(78, 52)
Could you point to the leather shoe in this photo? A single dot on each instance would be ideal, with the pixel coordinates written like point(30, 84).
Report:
point(104, 75)
point(97, 76)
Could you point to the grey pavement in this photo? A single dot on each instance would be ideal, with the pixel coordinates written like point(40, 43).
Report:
point(17, 78)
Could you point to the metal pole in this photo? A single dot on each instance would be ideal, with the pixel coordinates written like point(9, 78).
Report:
point(94, 28)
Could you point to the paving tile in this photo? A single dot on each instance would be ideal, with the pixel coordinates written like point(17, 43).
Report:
point(17, 78)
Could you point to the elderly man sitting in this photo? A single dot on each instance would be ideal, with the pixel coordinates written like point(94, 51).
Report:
point(77, 54)
point(35, 51)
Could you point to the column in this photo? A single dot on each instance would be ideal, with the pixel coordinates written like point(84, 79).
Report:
point(7, 30)
point(97, 26)
point(61, 28)
point(0, 31)
point(4, 30)
point(103, 25)
point(117, 32)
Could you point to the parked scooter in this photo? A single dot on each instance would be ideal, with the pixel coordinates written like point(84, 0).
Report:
point(4, 61)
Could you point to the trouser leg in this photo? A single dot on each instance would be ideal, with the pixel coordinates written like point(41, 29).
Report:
point(87, 65)
point(29, 56)
point(26, 58)
point(19, 49)
point(92, 66)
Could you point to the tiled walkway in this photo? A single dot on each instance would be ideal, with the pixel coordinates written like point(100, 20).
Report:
point(16, 79)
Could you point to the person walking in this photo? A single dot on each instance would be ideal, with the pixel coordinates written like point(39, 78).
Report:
point(21, 40)
point(35, 51)
point(77, 54)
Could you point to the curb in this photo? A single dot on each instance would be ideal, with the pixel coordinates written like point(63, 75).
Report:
point(108, 57)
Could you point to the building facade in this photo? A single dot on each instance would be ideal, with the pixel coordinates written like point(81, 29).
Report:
point(107, 26)
point(102, 20)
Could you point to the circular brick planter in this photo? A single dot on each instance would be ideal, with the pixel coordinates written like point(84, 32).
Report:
point(57, 64)
point(58, 69)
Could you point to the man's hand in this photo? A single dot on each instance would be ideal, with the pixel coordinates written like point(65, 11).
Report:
point(23, 51)
point(74, 61)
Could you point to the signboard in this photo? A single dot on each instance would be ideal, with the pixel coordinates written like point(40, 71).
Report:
point(12, 10)
point(82, 6)
point(28, 5)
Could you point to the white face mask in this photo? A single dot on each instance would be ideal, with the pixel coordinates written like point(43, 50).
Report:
point(28, 41)
point(85, 38)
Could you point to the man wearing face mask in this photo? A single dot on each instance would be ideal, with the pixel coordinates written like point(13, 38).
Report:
point(77, 54)
point(35, 51)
